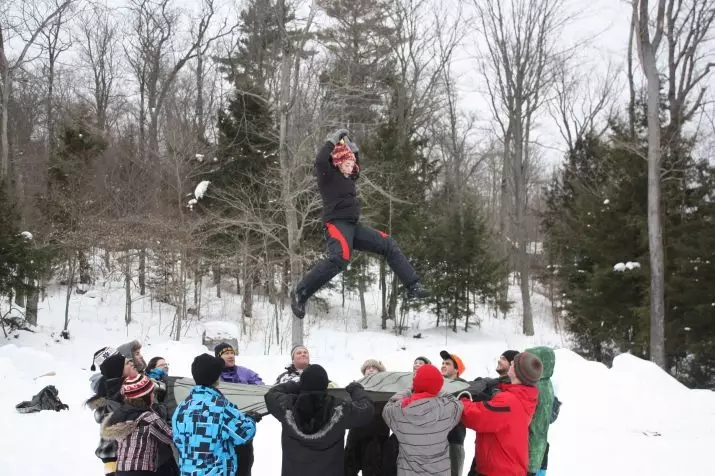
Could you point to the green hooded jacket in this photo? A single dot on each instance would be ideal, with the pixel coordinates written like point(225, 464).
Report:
point(539, 427)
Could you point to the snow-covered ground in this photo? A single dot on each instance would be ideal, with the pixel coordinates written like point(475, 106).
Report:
point(630, 419)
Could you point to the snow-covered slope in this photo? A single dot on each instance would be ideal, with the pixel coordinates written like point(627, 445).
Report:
point(631, 419)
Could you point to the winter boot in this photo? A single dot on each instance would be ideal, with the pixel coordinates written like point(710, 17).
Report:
point(297, 304)
point(417, 291)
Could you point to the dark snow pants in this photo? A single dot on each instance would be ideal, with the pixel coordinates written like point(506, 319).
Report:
point(364, 454)
point(245, 458)
point(344, 236)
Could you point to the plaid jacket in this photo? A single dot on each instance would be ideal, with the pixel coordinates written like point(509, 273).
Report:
point(207, 428)
point(137, 440)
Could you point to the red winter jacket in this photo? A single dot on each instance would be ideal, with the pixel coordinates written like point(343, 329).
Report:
point(502, 426)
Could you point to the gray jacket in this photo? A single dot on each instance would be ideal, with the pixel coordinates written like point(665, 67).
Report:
point(421, 429)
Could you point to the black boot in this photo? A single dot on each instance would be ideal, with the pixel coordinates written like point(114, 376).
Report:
point(297, 304)
point(417, 291)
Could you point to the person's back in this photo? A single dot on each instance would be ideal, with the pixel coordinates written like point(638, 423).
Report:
point(207, 427)
point(421, 421)
point(539, 426)
point(314, 423)
point(502, 424)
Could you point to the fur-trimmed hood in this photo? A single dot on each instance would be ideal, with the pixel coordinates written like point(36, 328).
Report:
point(116, 431)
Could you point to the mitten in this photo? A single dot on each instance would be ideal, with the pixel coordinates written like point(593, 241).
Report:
point(255, 416)
point(334, 137)
point(350, 388)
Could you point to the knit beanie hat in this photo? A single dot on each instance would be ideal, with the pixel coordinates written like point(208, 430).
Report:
point(113, 366)
point(341, 153)
point(101, 355)
point(206, 369)
point(137, 387)
point(128, 349)
point(427, 379)
point(528, 368)
point(372, 363)
point(424, 360)
point(509, 355)
point(313, 379)
point(296, 348)
point(222, 348)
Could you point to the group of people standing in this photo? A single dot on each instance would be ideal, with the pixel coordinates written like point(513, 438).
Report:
point(420, 431)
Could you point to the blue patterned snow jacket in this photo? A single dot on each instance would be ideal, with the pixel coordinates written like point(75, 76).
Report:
point(206, 429)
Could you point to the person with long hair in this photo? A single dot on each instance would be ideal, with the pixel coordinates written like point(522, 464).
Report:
point(314, 422)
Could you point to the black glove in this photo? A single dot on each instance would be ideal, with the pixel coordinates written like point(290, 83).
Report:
point(255, 416)
point(334, 137)
point(350, 388)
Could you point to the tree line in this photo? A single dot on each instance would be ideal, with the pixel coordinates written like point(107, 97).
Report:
point(112, 117)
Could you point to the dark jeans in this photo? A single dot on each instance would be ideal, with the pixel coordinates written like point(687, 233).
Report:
point(344, 236)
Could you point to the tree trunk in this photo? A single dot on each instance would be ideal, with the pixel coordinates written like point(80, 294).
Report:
point(217, 279)
point(631, 82)
point(247, 301)
point(128, 289)
point(33, 298)
point(142, 271)
point(287, 169)
point(85, 276)
point(392, 307)
point(70, 285)
point(20, 295)
point(363, 308)
point(655, 228)
point(383, 294)
point(518, 165)
point(4, 144)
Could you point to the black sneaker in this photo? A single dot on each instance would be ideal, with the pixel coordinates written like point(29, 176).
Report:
point(297, 305)
point(417, 291)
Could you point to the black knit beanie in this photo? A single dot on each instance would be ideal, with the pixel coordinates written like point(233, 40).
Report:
point(313, 379)
point(223, 347)
point(206, 369)
point(113, 367)
point(509, 355)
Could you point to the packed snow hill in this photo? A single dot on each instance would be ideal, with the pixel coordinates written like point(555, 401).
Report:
point(630, 419)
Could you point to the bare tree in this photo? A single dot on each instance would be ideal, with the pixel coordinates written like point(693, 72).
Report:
point(580, 101)
point(98, 50)
point(521, 38)
point(55, 42)
point(31, 21)
point(685, 27)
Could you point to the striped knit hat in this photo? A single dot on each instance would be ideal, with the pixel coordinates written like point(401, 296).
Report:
point(137, 387)
point(341, 153)
point(528, 368)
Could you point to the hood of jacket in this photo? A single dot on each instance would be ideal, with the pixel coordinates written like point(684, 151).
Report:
point(121, 423)
point(548, 358)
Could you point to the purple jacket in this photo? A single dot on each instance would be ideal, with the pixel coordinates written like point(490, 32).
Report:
point(238, 374)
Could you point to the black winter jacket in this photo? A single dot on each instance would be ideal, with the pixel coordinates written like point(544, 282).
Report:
point(338, 192)
point(312, 440)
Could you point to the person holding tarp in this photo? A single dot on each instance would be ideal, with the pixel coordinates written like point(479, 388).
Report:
point(502, 424)
point(207, 427)
point(363, 449)
point(421, 418)
point(233, 373)
point(314, 422)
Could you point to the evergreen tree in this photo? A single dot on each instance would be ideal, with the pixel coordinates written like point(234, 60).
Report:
point(596, 224)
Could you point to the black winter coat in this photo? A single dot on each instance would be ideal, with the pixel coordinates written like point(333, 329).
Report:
point(364, 447)
point(314, 427)
point(338, 192)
